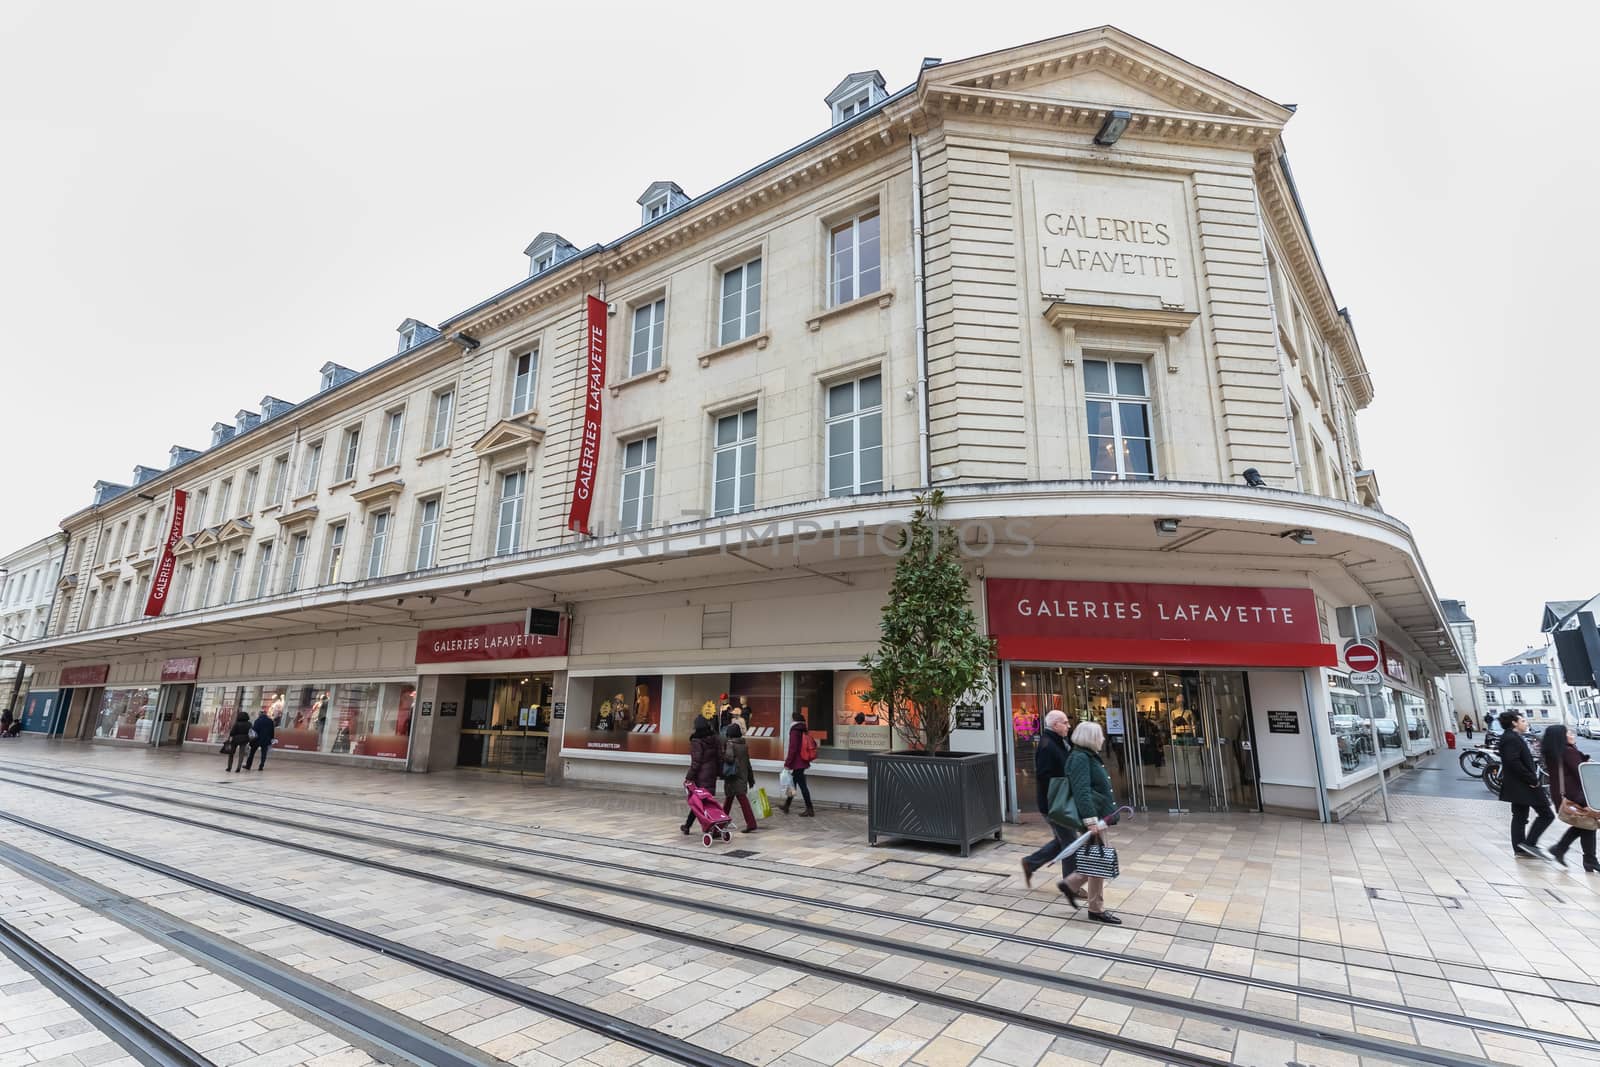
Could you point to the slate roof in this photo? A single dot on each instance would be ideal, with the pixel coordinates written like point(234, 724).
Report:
point(1500, 675)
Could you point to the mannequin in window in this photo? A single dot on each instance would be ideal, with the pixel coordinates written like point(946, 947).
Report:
point(641, 703)
point(603, 719)
point(621, 717)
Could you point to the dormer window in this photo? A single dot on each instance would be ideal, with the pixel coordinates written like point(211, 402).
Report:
point(857, 93)
point(659, 199)
point(546, 250)
point(544, 262)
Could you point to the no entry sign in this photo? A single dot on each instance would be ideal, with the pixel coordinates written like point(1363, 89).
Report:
point(1361, 657)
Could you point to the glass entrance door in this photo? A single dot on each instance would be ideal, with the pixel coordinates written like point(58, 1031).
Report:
point(172, 710)
point(1176, 741)
point(506, 726)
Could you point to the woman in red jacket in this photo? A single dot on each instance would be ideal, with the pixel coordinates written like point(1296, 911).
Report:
point(795, 762)
point(1561, 762)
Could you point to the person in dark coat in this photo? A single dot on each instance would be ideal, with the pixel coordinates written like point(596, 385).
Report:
point(1519, 787)
point(736, 786)
point(1091, 790)
point(795, 763)
point(1562, 759)
point(262, 731)
point(705, 760)
point(238, 737)
point(1050, 763)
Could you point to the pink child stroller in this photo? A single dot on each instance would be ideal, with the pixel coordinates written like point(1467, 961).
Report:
point(713, 820)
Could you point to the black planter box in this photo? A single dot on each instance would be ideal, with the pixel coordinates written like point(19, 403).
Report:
point(949, 799)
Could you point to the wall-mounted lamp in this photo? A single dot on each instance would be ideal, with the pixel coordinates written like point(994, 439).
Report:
point(1300, 537)
point(1166, 527)
point(1113, 127)
point(466, 341)
point(1253, 479)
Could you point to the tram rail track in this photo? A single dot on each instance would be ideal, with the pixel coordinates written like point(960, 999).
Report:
point(941, 893)
point(1244, 1020)
point(962, 930)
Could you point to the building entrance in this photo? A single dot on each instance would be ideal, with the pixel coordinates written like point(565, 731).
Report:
point(172, 715)
point(1176, 740)
point(505, 723)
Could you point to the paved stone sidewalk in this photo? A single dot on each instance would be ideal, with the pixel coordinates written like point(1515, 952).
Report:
point(1411, 911)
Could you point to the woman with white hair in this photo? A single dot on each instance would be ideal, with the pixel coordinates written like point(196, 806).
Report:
point(1091, 791)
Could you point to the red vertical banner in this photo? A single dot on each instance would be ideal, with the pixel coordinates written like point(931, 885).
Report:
point(589, 446)
point(162, 582)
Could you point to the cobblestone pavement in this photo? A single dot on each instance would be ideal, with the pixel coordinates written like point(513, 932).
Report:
point(1423, 930)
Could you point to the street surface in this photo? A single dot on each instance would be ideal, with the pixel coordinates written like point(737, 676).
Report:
point(334, 916)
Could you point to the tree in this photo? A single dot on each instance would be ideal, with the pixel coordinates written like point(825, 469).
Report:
point(931, 653)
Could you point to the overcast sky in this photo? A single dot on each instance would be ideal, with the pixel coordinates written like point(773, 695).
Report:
point(204, 202)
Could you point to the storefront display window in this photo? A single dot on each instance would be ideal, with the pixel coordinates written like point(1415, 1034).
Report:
point(847, 728)
point(126, 714)
point(1419, 734)
point(354, 719)
point(1351, 726)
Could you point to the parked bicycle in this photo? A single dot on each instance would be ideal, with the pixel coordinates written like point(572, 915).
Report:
point(1474, 761)
point(1492, 775)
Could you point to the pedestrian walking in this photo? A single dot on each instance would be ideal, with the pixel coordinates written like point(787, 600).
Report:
point(1049, 764)
point(1091, 790)
point(740, 777)
point(6, 719)
point(1562, 759)
point(802, 751)
point(262, 732)
point(705, 758)
point(238, 738)
point(1519, 787)
point(1466, 726)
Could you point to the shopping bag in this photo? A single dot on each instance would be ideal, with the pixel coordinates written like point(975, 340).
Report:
point(1062, 808)
point(763, 805)
point(786, 782)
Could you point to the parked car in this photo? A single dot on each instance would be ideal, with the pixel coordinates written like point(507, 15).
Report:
point(1589, 728)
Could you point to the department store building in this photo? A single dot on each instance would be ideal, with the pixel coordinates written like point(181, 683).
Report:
point(1068, 283)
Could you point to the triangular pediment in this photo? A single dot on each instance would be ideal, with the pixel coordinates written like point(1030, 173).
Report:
point(507, 434)
point(1105, 68)
point(235, 528)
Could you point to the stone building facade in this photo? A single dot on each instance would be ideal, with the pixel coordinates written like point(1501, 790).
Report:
point(1067, 283)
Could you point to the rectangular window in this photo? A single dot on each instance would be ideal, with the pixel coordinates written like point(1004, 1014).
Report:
point(330, 574)
point(377, 543)
point(649, 328)
point(280, 480)
point(117, 539)
point(126, 593)
point(443, 405)
point(508, 525)
point(180, 591)
point(208, 581)
point(137, 609)
point(313, 468)
point(855, 437)
point(195, 517)
point(733, 464)
point(235, 572)
point(1121, 442)
point(741, 302)
point(427, 533)
point(247, 498)
point(638, 483)
point(86, 621)
point(297, 562)
point(263, 569)
point(393, 431)
point(853, 259)
point(352, 453)
point(524, 373)
point(223, 493)
point(137, 544)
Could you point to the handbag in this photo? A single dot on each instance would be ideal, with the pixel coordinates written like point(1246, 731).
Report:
point(227, 747)
point(786, 782)
point(1098, 860)
point(763, 805)
point(1574, 816)
point(1062, 806)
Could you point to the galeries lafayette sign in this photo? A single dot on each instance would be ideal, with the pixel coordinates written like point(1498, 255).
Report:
point(494, 641)
point(1142, 623)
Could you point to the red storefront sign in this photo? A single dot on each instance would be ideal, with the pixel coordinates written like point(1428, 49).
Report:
point(1394, 664)
point(589, 446)
point(494, 641)
point(162, 582)
point(185, 669)
point(1141, 623)
point(95, 674)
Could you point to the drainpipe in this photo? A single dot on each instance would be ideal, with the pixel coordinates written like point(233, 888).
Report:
point(919, 305)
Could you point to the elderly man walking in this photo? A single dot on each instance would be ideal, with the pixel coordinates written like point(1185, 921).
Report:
point(1050, 763)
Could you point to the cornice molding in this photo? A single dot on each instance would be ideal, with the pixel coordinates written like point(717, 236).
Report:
point(374, 494)
point(1278, 210)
